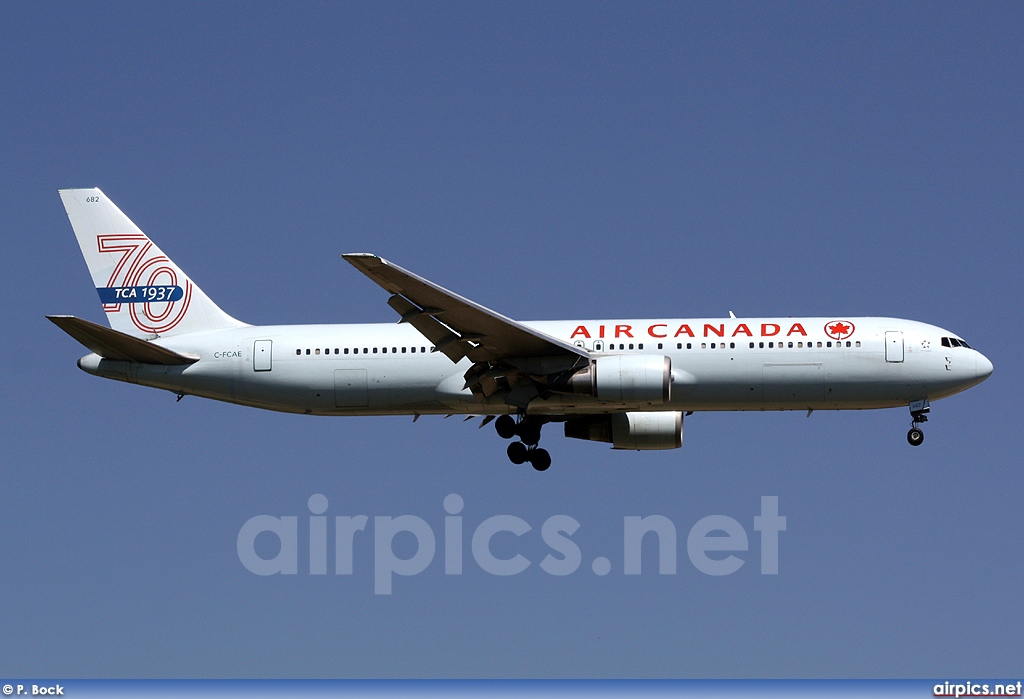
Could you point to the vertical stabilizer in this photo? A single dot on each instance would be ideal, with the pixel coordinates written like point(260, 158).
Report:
point(143, 292)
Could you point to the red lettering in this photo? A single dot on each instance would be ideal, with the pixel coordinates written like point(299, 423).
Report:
point(720, 330)
point(797, 328)
point(683, 330)
point(742, 328)
point(650, 330)
point(764, 329)
point(581, 330)
point(600, 331)
point(623, 330)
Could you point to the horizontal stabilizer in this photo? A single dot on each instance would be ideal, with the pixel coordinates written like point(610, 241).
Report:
point(112, 344)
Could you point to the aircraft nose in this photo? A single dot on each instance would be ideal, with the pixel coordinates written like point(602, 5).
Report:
point(982, 367)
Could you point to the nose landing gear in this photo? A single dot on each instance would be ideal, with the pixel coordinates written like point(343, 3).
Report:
point(915, 436)
point(528, 430)
point(919, 410)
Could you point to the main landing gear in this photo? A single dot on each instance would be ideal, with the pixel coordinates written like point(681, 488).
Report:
point(919, 410)
point(527, 428)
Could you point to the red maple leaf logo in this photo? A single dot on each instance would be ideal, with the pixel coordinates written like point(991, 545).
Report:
point(839, 329)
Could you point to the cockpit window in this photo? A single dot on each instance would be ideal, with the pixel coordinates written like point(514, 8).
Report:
point(964, 344)
point(954, 342)
point(945, 342)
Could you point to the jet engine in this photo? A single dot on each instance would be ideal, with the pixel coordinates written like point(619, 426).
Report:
point(626, 378)
point(640, 431)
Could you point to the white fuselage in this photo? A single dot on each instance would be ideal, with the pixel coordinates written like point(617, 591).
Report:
point(717, 364)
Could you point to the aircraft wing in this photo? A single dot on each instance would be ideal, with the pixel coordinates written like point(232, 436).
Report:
point(508, 357)
point(457, 326)
point(112, 344)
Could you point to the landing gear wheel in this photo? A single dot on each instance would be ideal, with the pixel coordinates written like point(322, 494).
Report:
point(505, 426)
point(915, 437)
point(529, 432)
point(518, 453)
point(540, 459)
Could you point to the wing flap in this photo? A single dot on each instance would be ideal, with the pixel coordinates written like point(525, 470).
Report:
point(446, 341)
point(113, 344)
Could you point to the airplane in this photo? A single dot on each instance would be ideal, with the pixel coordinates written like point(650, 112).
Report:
point(627, 382)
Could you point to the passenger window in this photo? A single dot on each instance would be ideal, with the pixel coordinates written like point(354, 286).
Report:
point(791, 345)
point(298, 351)
point(819, 344)
point(847, 343)
point(689, 345)
point(858, 343)
point(679, 345)
point(751, 345)
point(703, 345)
point(760, 345)
point(318, 350)
point(712, 345)
point(640, 346)
point(346, 350)
point(403, 350)
point(631, 345)
point(659, 345)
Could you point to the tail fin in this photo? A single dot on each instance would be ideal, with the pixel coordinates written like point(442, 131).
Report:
point(143, 293)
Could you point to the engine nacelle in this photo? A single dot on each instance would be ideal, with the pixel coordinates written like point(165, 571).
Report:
point(647, 430)
point(626, 378)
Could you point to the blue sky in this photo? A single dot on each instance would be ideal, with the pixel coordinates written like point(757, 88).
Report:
point(563, 160)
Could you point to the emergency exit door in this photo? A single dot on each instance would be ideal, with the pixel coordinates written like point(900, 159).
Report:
point(261, 355)
point(894, 346)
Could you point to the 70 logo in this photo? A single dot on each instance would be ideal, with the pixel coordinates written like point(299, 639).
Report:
point(142, 264)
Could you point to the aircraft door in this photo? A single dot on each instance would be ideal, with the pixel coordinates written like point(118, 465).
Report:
point(894, 346)
point(350, 388)
point(599, 345)
point(262, 353)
